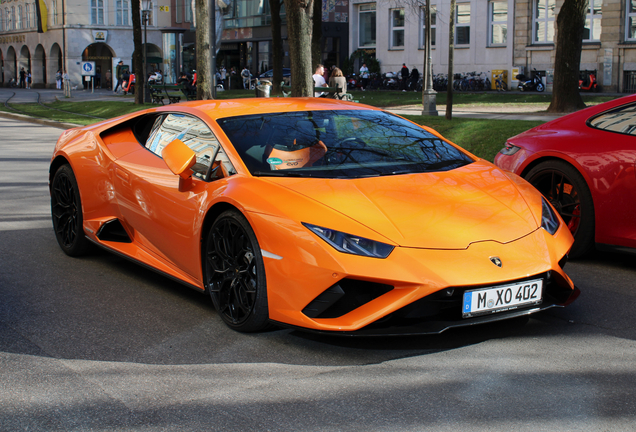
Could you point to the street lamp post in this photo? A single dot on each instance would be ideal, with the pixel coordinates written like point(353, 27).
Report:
point(145, 13)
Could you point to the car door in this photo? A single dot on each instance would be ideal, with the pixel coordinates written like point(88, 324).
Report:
point(167, 222)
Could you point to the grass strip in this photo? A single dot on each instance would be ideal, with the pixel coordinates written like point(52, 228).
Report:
point(483, 138)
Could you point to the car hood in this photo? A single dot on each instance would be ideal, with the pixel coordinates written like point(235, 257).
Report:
point(439, 210)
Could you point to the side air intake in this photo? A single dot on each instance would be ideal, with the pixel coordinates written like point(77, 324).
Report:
point(113, 231)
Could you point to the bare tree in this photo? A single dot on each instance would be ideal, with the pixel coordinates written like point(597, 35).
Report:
point(451, 54)
point(140, 74)
point(316, 36)
point(204, 75)
point(299, 28)
point(570, 25)
point(277, 46)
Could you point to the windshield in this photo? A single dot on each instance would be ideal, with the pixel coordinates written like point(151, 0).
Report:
point(338, 144)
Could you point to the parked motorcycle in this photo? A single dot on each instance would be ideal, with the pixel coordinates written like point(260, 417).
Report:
point(535, 83)
point(587, 81)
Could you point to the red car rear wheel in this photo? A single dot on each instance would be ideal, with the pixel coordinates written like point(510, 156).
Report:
point(568, 193)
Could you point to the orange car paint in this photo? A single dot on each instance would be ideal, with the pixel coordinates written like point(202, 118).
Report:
point(128, 182)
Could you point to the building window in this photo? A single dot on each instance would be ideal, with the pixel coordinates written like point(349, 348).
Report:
point(631, 20)
point(498, 22)
point(433, 25)
point(188, 11)
point(27, 8)
point(397, 28)
point(179, 11)
point(366, 19)
point(54, 11)
point(543, 16)
point(97, 12)
point(462, 24)
point(592, 31)
point(122, 11)
point(1, 20)
point(18, 22)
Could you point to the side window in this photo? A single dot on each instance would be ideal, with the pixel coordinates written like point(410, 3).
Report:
point(196, 135)
point(621, 120)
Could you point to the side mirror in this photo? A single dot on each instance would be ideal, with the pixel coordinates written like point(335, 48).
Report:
point(180, 158)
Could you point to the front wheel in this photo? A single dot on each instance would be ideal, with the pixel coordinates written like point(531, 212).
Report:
point(235, 273)
point(540, 87)
point(565, 188)
point(66, 211)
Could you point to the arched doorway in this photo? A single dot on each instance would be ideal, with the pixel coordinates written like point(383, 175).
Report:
point(102, 55)
point(55, 63)
point(24, 61)
point(39, 67)
point(154, 58)
point(11, 65)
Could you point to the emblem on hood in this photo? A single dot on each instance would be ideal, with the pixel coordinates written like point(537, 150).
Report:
point(496, 261)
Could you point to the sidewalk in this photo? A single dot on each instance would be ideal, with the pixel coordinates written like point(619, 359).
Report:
point(17, 96)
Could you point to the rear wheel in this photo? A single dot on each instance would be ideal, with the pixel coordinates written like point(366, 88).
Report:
point(568, 193)
point(66, 211)
point(235, 273)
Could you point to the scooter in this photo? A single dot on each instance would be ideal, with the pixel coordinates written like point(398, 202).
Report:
point(587, 81)
point(526, 84)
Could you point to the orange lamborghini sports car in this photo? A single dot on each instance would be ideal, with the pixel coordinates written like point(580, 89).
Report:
point(312, 213)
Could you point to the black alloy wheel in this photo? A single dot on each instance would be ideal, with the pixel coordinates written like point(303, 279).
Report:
point(235, 273)
point(563, 186)
point(66, 211)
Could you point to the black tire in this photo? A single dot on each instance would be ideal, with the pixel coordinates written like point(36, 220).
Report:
point(563, 186)
point(66, 212)
point(235, 274)
point(540, 87)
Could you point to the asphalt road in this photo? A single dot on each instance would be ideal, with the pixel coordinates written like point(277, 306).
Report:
point(102, 344)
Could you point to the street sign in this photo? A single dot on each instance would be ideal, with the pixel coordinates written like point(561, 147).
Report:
point(88, 68)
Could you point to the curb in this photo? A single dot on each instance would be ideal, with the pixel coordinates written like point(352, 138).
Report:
point(43, 122)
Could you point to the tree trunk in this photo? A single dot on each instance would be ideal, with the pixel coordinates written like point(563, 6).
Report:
point(451, 54)
point(316, 37)
point(570, 26)
point(277, 46)
point(299, 29)
point(203, 50)
point(138, 61)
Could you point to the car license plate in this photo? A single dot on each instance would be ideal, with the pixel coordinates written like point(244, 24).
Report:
point(502, 298)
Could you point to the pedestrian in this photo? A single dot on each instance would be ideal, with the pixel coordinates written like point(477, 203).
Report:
point(223, 76)
point(364, 76)
point(58, 79)
point(404, 74)
point(124, 80)
point(28, 79)
point(108, 76)
point(319, 80)
point(98, 78)
point(414, 79)
point(337, 79)
point(22, 77)
point(246, 75)
point(119, 72)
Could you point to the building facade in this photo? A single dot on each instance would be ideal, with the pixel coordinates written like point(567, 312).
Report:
point(517, 36)
point(77, 31)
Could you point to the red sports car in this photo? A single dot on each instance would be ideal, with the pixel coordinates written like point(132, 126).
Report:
point(583, 163)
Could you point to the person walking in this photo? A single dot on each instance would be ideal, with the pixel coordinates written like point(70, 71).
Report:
point(58, 79)
point(404, 74)
point(22, 77)
point(246, 74)
point(364, 76)
point(119, 72)
point(28, 79)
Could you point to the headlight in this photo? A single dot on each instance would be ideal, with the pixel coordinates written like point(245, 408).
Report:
point(347, 243)
point(549, 219)
point(509, 150)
